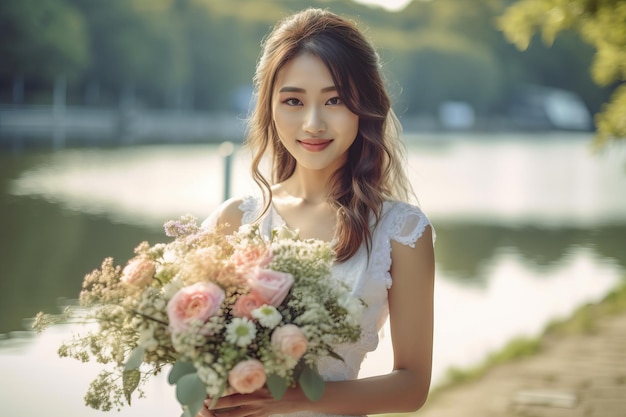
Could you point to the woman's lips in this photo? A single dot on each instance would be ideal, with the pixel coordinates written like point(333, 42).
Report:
point(315, 145)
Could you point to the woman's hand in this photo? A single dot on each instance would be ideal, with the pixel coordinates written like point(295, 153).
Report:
point(258, 404)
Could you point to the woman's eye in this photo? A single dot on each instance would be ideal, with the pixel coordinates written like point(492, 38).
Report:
point(292, 102)
point(334, 101)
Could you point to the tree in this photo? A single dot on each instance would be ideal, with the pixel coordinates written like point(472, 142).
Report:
point(602, 23)
point(42, 39)
point(445, 67)
point(137, 45)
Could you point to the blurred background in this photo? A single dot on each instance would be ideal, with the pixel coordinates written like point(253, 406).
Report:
point(113, 119)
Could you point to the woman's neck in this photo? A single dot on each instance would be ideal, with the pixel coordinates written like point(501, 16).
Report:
point(310, 187)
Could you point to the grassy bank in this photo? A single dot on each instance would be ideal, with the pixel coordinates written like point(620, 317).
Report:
point(585, 320)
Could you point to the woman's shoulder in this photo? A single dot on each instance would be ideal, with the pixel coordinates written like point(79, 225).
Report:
point(234, 212)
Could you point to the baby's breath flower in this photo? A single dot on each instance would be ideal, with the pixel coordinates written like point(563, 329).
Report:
point(353, 306)
point(186, 225)
point(240, 332)
point(211, 379)
point(267, 315)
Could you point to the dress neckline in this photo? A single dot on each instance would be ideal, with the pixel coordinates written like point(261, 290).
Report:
point(278, 220)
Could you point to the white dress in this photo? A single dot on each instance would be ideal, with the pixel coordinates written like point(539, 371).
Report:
point(369, 279)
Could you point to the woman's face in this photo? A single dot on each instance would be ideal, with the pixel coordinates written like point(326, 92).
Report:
point(311, 120)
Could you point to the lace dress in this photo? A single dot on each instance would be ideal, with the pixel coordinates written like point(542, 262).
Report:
point(369, 280)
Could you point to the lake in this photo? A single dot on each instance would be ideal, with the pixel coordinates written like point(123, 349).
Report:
point(529, 227)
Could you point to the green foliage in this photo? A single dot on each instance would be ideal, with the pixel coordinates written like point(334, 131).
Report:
point(135, 358)
point(130, 382)
point(516, 349)
point(191, 393)
point(586, 318)
point(601, 23)
point(42, 38)
point(311, 383)
point(180, 369)
point(277, 385)
point(612, 120)
point(133, 44)
point(197, 53)
point(446, 67)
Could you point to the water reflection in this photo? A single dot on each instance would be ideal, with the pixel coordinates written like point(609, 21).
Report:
point(465, 250)
point(519, 242)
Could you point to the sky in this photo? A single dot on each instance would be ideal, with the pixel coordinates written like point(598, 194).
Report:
point(387, 4)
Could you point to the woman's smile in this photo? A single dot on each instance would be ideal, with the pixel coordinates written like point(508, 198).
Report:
point(315, 145)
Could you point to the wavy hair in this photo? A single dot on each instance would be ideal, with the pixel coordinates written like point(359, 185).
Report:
point(374, 170)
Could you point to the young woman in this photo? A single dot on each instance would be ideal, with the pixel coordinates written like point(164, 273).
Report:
point(324, 118)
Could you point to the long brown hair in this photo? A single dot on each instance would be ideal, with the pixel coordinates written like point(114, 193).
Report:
point(373, 172)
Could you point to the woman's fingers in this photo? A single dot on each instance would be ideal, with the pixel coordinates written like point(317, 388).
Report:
point(236, 405)
point(205, 412)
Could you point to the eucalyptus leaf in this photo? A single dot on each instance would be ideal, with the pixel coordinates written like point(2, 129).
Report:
point(277, 386)
point(191, 392)
point(311, 383)
point(180, 369)
point(135, 358)
point(130, 382)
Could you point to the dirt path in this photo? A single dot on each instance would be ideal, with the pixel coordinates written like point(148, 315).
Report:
point(573, 375)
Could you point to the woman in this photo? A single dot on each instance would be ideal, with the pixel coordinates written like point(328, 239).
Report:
point(324, 118)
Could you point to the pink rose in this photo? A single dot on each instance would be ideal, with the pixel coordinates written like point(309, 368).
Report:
point(246, 303)
point(138, 272)
point(290, 340)
point(195, 302)
point(250, 257)
point(247, 376)
point(271, 285)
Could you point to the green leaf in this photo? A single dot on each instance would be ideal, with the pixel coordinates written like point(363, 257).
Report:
point(191, 393)
point(312, 383)
point(277, 386)
point(180, 369)
point(130, 381)
point(135, 358)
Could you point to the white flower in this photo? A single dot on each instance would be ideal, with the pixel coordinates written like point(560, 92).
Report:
point(284, 233)
point(240, 332)
point(159, 304)
point(353, 306)
point(147, 340)
point(211, 380)
point(172, 288)
point(267, 315)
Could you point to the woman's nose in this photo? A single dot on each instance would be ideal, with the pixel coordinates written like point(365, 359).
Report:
point(314, 122)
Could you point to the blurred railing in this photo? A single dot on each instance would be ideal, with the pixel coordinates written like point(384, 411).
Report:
point(60, 126)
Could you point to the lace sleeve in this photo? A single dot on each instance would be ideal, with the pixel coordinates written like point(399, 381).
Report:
point(408, 224)
point(405, 224)
point(250, 207)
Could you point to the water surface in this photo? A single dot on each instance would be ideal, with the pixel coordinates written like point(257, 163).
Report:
point(528, 228)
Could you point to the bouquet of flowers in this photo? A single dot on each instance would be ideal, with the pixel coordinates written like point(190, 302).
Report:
point(223, 313)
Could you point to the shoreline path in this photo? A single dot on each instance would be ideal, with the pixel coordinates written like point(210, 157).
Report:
point(577, 375)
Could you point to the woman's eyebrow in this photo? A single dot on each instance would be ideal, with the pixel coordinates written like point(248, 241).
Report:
point(288, 89)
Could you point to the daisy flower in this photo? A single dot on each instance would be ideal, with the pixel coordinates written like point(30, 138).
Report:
point(267, 316)
point(240, 331)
